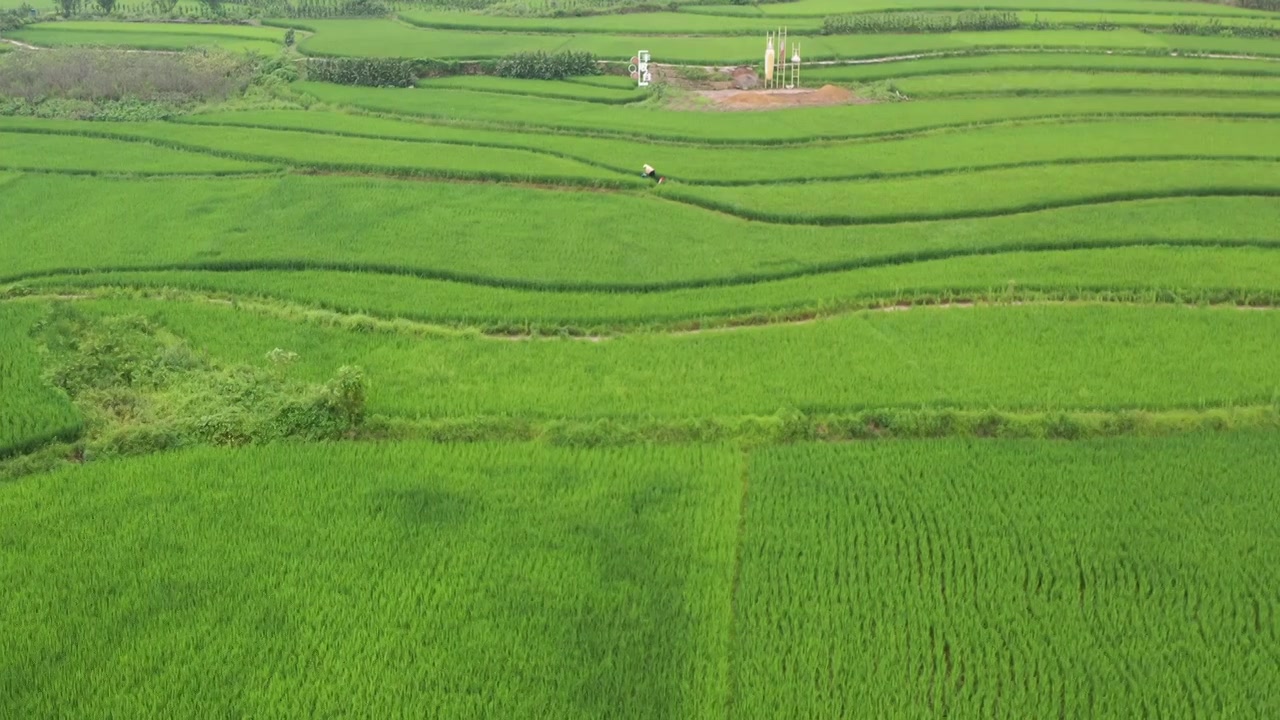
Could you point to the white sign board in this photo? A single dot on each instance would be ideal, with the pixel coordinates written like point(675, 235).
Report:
point(640, 68)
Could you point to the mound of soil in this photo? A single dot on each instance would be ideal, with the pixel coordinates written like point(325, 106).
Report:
point(776, 99)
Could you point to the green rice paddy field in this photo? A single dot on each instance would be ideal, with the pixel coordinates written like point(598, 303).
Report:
point(956, 399)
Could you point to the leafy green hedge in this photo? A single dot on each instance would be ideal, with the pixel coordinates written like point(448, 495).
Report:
point(374, 72)
point(543, 66)
point(899, 22)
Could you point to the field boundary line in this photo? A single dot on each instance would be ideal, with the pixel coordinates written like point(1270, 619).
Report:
point(970, 169)
point(656, 287)
point(869, 424)
point(853, 221)
point(854, 425)
point(283, 308)
point(21, 45)
point(1023, 94)
point(1081, 69)
point(148, 175)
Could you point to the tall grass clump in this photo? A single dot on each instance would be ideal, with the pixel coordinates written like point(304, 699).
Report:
point(547, 66)
point(370, 72)
point(144, 389)
point(902, 22)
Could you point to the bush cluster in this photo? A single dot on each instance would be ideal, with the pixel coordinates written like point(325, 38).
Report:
point(1272, 5)
point(372, 72)
point(14, 18)
point(1214, 27)
point(544, 66)
point(917, 22)
point(143, 389)
point(117, 76)
point(325, 8)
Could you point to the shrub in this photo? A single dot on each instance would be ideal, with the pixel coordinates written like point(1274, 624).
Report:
point(14, 18)
point(543, 66)
point(289, 38)
point(373, 72)
point(1214, 27)
point(146, 390)
point(114, 75)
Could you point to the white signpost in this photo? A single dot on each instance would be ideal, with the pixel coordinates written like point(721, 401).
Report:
point(640, 68)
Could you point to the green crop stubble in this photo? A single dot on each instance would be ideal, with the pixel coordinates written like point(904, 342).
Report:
point(528, 237)
point(1188, 274)
point(31, 412)
point(982, 578)
point(401, 579)
point(1012, 358)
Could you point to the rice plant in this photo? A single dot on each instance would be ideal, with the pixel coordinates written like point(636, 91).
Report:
point(976, 579)
point(32, 412)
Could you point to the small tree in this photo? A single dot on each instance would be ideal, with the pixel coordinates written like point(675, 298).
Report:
point(67, 8)
point(214, 6)
point(107, 5)
point(164, 7)
point(288, 38)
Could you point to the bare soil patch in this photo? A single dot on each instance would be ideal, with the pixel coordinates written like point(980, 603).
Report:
point(731, 88)
point(781, 98)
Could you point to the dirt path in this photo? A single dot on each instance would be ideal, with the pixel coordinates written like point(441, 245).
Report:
point(20, 44)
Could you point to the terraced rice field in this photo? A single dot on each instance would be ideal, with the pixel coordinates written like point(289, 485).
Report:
point(960, 399)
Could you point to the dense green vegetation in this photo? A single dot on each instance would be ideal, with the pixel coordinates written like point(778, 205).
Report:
point(157, 36)
point(801, 125)
point(32, 412)
point(488, 234)
point(604, 582)
point(364, 373)
point(1140, 274)
point(1028, 358)
point(1023, 62)
point(20, 151)
point(864, 585)
point(520, 580)
point(1039, 82)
